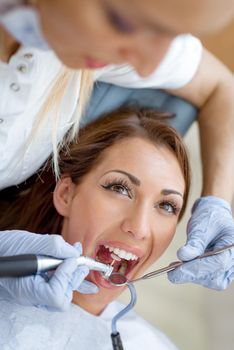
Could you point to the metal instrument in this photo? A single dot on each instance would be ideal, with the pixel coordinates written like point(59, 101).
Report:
point(118, 279)
point(30, 264)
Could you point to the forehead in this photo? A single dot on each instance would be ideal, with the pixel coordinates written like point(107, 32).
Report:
point(144, 160)
point(180, 16)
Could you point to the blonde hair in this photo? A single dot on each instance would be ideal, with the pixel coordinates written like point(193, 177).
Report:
point(53, 103)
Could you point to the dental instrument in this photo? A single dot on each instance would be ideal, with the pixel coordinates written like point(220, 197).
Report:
point(118, 279)
point(115, 335)
point(30, 264)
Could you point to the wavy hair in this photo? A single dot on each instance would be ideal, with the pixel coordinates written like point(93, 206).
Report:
point(33, 208)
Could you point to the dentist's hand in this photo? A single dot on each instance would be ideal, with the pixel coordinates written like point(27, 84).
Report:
point(211, 226)
point(54, 293)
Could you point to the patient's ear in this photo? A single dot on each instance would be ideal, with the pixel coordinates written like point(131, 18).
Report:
point(63, 195)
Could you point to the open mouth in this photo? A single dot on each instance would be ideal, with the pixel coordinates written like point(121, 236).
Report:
point(122, 261)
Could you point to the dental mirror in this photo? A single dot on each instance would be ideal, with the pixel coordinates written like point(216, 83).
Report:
point(117, 279)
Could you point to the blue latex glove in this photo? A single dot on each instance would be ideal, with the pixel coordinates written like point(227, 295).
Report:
point(211, 226)
point(54, 293)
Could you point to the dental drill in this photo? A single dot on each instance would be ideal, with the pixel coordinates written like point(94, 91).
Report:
point(30, 264)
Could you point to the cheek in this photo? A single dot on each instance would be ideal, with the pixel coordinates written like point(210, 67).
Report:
point(160, 243)
point(162, 240)
point(73, 60)
point(86, 222)
point(93, 28)
point(75, 225)
point(70, 232)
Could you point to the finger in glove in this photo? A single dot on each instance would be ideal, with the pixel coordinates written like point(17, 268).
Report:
point(215, 272)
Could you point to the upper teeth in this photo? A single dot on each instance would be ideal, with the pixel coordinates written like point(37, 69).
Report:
point(122, 253)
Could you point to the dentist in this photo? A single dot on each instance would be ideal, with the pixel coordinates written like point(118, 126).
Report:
point(127, 43)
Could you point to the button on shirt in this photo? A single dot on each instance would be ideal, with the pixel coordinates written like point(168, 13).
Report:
point(26, 82)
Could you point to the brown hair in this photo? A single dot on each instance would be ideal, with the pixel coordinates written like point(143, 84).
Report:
point(34, 210)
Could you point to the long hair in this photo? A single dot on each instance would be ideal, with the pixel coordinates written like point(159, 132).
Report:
point(34, 210)
point(83, 80)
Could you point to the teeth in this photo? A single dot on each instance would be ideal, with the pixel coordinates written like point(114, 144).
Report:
point(123, 268)
point(122, 253)
point(128, 256)
point(115, 257)
point(111, 249)
point(117, 251)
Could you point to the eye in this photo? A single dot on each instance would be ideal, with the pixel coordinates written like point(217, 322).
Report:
point(120, 189)
point(121, 24)
point(169, 207)
point(119, 186)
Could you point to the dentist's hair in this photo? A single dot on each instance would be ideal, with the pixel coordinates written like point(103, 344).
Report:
point(51, 110)
point(34, 207)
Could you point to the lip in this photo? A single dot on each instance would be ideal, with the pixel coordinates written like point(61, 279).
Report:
point(100, 281)
point(134, 250)
point(97, 277)
point(93, 63)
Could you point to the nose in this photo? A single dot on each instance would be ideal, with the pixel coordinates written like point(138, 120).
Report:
point(137, 222)
point(145, 53)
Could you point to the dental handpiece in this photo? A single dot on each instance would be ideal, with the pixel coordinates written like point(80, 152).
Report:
point(31, 264)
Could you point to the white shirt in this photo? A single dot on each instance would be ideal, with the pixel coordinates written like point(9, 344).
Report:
point(25, 83)
point(30, 328)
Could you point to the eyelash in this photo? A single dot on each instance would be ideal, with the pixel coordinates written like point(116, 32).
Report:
point(119, 23)
point(118, 182)
point(110, 184)
point(175, 208)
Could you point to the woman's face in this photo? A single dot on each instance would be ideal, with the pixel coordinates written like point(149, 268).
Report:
point(93, 33)
point(125, 211)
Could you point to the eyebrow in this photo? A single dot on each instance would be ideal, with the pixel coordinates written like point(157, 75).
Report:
point(131, 177)
point(137, 182)
point(167, 192)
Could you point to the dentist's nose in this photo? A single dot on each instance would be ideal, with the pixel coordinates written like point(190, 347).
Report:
point(137, 223)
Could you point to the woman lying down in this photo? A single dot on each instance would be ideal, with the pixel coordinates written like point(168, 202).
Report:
point(123, 188)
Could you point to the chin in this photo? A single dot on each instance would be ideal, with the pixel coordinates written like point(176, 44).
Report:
point(125, 260)
point(94, 303)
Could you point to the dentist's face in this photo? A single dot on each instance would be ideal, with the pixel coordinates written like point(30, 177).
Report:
point(125, 211)
point(93, 33)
